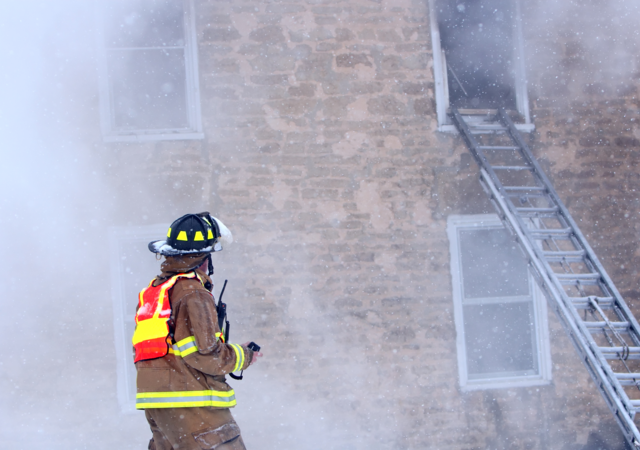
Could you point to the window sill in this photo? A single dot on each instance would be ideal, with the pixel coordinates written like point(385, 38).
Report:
point(153, 137)
point(504, 384)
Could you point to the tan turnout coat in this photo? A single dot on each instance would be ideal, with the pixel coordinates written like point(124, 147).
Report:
point(194, 320)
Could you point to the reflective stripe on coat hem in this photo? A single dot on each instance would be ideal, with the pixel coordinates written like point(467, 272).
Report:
point(186, 399)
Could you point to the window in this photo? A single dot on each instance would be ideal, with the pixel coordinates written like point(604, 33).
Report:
point(132, 267)
point(478, 58)
point(149, 71)
point(500, 314)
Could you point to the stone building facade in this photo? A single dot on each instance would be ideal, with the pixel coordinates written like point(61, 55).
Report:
point(321, 151)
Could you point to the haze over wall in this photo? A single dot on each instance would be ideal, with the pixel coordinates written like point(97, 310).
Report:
point(63, 188)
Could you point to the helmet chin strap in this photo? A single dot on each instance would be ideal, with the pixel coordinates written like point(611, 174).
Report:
point(210, 265)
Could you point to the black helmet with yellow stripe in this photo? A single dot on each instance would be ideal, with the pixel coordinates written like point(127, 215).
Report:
point(193, 233)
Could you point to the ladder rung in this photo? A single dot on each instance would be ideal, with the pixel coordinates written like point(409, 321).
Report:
point(511, 168)
point(618, 326)
point(525, 188)
point(628, 379)
point(614, 352)
point(629, 382)
point(635, 406)
point(583, 278)
point(578, 276)
point(584, 302)
point(487, 126)
point(498, 147)
point(565, 259)
point(627, 376)
point(526, 195)
point(538, 215)
point(574, 256)
point(476, 112)
point(551, 233)
point(551, 210)
point(565, 253)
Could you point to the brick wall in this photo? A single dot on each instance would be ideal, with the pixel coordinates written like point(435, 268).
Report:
point(322, 156)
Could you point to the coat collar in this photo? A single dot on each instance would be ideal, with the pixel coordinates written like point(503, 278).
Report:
point(174, 265)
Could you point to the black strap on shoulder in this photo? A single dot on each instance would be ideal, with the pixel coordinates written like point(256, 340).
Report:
point(221, 311)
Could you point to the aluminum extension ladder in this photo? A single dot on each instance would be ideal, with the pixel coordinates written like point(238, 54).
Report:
point(592, 311)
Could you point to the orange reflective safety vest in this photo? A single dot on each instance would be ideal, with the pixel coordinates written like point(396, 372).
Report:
point(151, 339)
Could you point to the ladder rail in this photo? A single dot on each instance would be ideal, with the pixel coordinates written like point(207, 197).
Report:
point(593, 259)
point(593, 356)
point(555, 290)
point(597, 366)
point(577, 237)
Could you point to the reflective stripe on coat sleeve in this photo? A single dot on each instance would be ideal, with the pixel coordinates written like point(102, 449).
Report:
point(201, 319)
point(185, 347)
point(239, 351)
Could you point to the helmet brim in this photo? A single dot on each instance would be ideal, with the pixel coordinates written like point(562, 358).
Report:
point(226, 238)
point(165, 249)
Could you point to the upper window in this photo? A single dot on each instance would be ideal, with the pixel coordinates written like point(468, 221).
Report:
point(149, 76)
point(500, 315)
point(132, 268)
point(478, 57)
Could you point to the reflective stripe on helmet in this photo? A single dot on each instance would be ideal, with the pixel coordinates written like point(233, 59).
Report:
point(186, 399)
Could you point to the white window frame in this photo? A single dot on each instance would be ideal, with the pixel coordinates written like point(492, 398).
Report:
point(118, 237)
point(192, 86)
point(455, 224)
point(441, 77)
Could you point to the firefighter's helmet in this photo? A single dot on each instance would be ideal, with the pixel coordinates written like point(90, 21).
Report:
point(193, 233)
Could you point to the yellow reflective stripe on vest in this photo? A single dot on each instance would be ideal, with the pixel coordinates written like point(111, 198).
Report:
point(141, 297)
point(185, 347)
point(155, 327)
point(149, 329)
point(161, 295)
point(239, 356)
point(186, 399)
point(168, 285)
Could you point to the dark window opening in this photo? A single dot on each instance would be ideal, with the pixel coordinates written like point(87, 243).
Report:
point(477, 37)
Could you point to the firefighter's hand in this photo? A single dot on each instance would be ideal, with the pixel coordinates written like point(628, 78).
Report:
point(256, 355)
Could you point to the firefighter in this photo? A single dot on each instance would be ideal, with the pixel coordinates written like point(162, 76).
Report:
point(181, 356)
